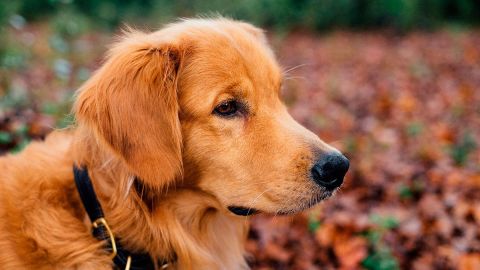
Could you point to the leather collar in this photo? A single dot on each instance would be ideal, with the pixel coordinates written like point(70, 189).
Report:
point(122, 258)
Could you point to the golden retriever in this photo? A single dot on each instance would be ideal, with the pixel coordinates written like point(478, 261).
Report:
point(183, 133)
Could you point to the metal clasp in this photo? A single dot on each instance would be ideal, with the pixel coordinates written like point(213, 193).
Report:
point(129, 263)
point(102, 221)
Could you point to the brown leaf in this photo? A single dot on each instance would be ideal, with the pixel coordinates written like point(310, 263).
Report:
point(469, 262)
point(350, 251)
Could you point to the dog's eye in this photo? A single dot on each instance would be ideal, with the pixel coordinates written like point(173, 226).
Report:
point(227, 108)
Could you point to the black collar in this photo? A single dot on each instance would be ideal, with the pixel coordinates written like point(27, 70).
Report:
point(122, 258)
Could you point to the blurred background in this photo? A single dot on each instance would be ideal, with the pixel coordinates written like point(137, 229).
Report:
point(392, 83)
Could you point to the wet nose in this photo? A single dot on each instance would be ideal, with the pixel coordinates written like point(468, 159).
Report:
point(330, 169)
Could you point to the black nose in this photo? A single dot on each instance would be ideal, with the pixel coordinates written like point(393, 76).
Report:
point(330, 169)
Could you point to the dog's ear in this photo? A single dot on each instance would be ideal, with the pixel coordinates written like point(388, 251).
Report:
point(131, 105)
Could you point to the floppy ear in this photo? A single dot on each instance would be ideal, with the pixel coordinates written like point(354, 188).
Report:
point(131, 105)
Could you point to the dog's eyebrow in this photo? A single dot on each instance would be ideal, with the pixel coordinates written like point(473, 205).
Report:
point(234, 89)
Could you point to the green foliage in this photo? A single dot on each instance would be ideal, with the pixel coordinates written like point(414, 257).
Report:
point(13, 57)
point(330, 13)
point(313, 223)
point(462, 149)
point(380, 256)
point(5, 137)
point(401, 14)
point(280, 14)
point(21, 145)
point(381, 259)
point(6, 10)
point(408, 191)
point(16, 97)
point(66, 121)
point(405, 192)
point(414, 128)
point(22, 133)
point(69, 24)
point(384, 222)
point(20, 137)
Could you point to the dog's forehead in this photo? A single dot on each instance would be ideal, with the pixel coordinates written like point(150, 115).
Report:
point(223, 54)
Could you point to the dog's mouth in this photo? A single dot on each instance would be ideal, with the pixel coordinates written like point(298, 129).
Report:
point(247, 211)
point(310, 203)
point(242, 211)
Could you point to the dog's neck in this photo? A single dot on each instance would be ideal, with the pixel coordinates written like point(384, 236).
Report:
point(185, 223)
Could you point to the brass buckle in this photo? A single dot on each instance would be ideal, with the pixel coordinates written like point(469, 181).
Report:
point(102, 221)
point(129, 262)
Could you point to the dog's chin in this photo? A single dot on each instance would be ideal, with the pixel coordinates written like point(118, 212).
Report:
point(248, 211)
point(306, 204)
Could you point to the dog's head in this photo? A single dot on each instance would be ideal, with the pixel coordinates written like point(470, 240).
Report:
point(198, 104)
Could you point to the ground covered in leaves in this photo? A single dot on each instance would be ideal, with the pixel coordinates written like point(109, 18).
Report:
point(404, 108)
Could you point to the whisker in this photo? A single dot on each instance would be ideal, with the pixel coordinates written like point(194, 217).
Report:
point(295, 67)
point(292, 78)
point(254, 201)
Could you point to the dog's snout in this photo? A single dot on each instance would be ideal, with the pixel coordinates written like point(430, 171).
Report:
point(330, 170)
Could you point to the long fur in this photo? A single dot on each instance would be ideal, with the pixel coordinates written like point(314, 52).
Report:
point(164, 168)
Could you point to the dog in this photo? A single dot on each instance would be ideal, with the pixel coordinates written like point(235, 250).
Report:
point(181, 133)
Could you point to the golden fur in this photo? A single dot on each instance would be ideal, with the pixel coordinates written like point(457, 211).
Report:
point(147, 113)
